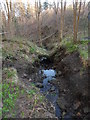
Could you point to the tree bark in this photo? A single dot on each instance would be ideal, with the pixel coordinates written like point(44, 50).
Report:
point(76, 19)
point(63, 9)
point(89, 20)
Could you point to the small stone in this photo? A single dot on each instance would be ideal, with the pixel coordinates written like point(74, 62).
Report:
point(40, 85)
point(53, 81)
point(52, 110)
point(30, 80)
point(63, 113)
point(86, 109)
point(24, 75)
point(65, 90)
point(62, 60)
point(76, 105)
point(78, 114)
point(75, 69)
point(62, 102)
point(33, 55)
point(53, 78)
point(52, 89)
point(59, 73)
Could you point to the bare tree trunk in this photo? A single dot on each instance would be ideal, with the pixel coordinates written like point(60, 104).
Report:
point(8, 14)
point(38, 12)
point(39, 31)
point(64, 15)
point(56, 8)
point(89, 20)
point(76, 19)
point(11, 17)
point(89, 25)
point(63, 9)
point(61, 33)
point(83, 16)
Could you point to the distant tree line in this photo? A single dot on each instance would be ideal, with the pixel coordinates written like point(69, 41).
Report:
point(17, 14)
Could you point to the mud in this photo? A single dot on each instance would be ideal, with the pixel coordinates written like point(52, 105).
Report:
point(72, 81)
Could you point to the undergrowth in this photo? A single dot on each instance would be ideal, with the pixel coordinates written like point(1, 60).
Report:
point(81, 46)
point(12, 91)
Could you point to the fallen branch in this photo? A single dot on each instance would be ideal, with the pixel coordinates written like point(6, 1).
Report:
point(47, 37)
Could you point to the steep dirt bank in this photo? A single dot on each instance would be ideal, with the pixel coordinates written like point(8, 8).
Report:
point(73, 70)
point(72, 81)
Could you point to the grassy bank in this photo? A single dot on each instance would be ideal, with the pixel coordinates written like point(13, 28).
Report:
point(81, 47)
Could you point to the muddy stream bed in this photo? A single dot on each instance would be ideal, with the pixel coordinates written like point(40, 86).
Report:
point(50, 91)
point(59, 82)
point(49, 75)
point(61, 78)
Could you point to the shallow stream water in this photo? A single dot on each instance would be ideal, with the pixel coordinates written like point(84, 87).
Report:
point(48, 74)
point(50, 91)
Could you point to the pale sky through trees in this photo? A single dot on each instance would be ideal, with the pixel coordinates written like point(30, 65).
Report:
point(50, 1)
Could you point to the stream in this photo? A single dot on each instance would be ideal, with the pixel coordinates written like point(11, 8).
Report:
point(50, 91)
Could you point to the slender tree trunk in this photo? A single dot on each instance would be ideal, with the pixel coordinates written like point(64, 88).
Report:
point(61, 33)
point(89, 20)
point(38, 13)
point(89, 25)
point(74, 22)
point(83, 17)
point(8, 14)
point(63, 9)
point(76, 19)
point(57, 23)
point(39, 31)
point(64, 15)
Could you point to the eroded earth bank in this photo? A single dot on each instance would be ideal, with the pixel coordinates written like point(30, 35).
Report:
point(68, 89)
point(55, 86)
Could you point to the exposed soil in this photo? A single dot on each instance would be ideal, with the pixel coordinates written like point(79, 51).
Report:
point(27, 74)
point(71, 81)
